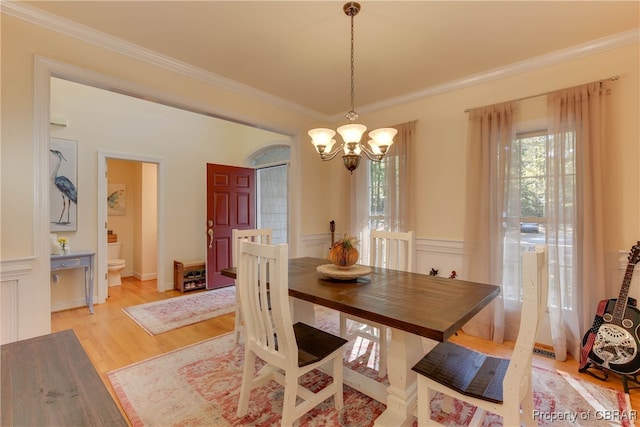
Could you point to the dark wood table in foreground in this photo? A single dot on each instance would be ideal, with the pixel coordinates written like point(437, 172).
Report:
point(413, 305)
point(50, 381)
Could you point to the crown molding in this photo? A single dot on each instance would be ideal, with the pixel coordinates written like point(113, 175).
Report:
point(81, 32)
point(574, 52)
point(90, 35)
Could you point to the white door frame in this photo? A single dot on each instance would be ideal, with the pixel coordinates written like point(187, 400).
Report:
point(101, 257)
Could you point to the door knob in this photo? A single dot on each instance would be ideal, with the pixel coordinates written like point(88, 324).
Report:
point(210, 233)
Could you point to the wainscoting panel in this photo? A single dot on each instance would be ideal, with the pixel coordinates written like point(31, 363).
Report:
point(12, 276)
point(443, 255)
point(315, 245)
point(9, 308)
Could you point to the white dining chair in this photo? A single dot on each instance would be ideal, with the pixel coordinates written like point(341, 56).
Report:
point(288, 350)
point(258, 235)
point(393, 250)
point(500, 386)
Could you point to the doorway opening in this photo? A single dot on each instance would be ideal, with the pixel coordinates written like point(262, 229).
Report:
point(132, 220)
point(139, 226)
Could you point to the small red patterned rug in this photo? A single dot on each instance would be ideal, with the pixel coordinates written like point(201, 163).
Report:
point(168, 314)
point(198, 386)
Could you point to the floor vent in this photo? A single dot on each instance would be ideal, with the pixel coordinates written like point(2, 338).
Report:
point(544, 352)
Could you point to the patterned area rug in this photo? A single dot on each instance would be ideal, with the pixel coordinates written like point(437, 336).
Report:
point(199, 385)
point(165, 315)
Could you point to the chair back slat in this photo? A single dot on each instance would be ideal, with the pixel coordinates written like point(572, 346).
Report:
point(393, 250)
point(534, 304)
point(256, 235)
point(263, 287)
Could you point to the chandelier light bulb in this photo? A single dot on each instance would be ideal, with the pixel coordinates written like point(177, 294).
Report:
point(374, 147)
point(321, 136)
point(322, 139)
point(383, 138)
point(352, 132)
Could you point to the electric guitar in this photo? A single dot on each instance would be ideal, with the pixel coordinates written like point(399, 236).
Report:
point(612, 342)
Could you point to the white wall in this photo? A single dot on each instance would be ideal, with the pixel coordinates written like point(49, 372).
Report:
point(103, 120)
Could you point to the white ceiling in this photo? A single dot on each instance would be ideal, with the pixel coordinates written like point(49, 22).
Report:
point(299, 50)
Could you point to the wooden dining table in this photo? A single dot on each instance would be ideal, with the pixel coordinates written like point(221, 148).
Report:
point(413, 305)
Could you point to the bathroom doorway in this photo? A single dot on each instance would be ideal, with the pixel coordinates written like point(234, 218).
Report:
point(133, 214)
point(132, 217)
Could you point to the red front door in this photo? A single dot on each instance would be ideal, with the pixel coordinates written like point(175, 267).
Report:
point(231, 203)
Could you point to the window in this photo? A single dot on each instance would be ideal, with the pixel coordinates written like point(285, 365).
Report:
point(382, 204)
point(380, 192)
point(376, 195)
point(271, 188)
point(530, 180)
point(525, 216)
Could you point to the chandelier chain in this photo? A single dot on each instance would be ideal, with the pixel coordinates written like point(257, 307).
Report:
point(352, 69)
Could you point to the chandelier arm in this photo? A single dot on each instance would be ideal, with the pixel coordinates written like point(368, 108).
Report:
point(331, 155)
point(370, 154)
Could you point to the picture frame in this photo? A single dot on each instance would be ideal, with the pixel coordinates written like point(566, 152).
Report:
point(63, 193)
point(116, 199)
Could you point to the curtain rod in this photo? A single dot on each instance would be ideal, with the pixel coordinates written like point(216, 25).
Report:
point(612, 78)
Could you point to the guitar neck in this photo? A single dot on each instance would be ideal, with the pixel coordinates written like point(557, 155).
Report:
point(623, 298)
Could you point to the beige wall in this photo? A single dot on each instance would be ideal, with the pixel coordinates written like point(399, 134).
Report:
point(21, 41)
point(321, 195)
point(145, 249)
point(24, 244)
point(441, 140)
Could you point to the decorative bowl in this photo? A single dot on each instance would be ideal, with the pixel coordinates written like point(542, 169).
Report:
point(343, 273)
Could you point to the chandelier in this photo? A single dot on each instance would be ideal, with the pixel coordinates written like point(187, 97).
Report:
point(381, 139)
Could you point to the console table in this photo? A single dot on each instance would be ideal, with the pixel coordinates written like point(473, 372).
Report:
point(80, 259)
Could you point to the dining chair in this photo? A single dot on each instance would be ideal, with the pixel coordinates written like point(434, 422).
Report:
point(288, 350)
point(258, 235)
point(500, 386)
point(392, 250)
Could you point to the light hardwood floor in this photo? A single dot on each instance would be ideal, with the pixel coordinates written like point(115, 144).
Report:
point(112, 340)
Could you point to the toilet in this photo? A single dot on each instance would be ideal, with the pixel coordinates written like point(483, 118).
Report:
point(114, 264)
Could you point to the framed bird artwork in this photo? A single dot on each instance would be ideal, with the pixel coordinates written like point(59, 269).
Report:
point(63, 199)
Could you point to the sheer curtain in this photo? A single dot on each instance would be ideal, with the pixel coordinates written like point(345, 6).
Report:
point(576, 119)
point(399, 205)
point(489, 167)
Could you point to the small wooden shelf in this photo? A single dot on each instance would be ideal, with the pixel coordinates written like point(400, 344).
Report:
point(189, 276)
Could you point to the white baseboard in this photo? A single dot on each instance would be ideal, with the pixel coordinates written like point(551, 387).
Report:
point(143, 277)
point(69, 304)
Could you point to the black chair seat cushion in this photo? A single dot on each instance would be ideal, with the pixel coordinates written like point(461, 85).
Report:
point(314, 344)
point(466, 371)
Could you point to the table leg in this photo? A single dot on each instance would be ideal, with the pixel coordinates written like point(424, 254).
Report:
point(88, 288)
point(302, 311)
point(405, 350)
